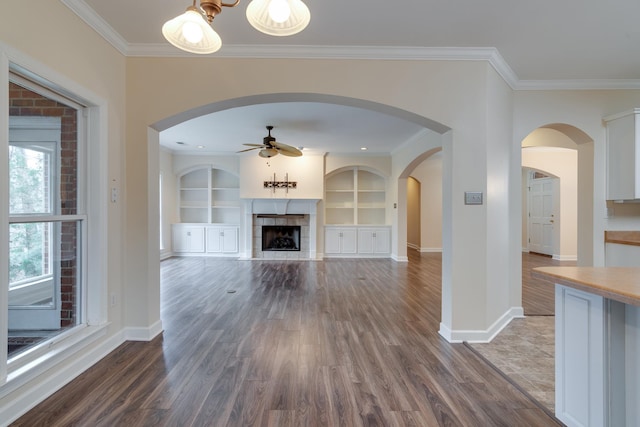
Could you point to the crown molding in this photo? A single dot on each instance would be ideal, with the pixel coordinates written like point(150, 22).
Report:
point(95, 21)
point(405, 53)
point(594, 84)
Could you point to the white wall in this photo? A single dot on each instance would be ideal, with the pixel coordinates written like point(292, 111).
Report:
point(307, 171)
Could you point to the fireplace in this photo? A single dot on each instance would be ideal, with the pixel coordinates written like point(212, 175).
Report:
point(260, 213)
point(280, 238)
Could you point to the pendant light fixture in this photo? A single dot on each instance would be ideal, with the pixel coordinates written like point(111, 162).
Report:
point(192, 31)
point(278, 17)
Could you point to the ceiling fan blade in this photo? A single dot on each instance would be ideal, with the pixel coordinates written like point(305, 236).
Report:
point(287, 150)
point(249, 149)
point(254, 145)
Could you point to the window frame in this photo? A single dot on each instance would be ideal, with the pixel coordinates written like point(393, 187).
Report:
point(93, 187)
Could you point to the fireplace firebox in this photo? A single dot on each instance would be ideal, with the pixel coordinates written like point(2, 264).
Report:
point(281, 238)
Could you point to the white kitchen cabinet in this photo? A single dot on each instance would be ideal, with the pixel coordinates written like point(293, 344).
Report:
point(188, 238)
point(623, 155)
point(374, 241)
point(340, 241)
point(222, 239)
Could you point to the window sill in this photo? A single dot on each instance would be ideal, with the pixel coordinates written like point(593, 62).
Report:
point(30, 365)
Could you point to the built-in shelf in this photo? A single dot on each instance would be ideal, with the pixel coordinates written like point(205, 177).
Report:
point(355, 196)
point(209, 195)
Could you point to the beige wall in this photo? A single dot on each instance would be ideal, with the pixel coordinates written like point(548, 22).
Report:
point(169, 201)
point(429, 173)
point(413, 213)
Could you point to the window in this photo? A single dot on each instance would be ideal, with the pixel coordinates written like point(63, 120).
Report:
point(45, 224)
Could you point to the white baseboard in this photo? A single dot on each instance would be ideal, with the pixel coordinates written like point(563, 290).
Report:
point(143, 334)
point(165, 255)
point(413, 246)
point(397, 258)
point(480, 336)
point(431, 250)
point(565, 257)
point(525, 250)
point(44, 385)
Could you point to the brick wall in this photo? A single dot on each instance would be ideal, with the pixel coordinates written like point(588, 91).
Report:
point(24, 102)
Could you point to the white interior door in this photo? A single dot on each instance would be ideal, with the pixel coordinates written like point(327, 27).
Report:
point(541, 215)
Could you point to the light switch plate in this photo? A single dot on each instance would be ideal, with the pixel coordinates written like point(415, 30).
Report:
point(473, 197)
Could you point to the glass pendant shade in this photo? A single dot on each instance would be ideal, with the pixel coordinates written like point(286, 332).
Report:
point(192, 33)
point(274, 18)
point(267, 152)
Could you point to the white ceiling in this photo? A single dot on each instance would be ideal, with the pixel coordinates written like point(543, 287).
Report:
point(559, 42)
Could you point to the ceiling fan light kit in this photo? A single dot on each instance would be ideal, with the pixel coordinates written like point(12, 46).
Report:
point(192, 31)
point(270, 147)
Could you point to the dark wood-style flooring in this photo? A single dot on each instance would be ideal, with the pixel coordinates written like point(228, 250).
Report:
point(268, 343)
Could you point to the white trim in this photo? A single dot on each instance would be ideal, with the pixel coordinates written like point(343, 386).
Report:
point(413, 246)
point(399, 258)
point(565, 257)
point(479, 336)
point(33, 387)
point(431, 250)
point(525, 250)
point(591, 84)
point(4, 214)
point(142, 333)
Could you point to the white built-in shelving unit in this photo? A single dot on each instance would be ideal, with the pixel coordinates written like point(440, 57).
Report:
point(209, 206)
point(355, 214)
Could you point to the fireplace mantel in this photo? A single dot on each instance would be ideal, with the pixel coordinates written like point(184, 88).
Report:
point(280, 207)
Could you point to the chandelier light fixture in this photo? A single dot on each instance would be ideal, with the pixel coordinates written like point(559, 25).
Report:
point(192, 31)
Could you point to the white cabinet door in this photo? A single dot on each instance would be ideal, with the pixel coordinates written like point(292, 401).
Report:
point(340, 241)
point(349, 241)
point(382, 242)
point(222, 239)
point(332, 241)
point(229, 239)
point(188, 238)
point(580, 348)
point(214, 240)
point(374, 240)
point(365, 241)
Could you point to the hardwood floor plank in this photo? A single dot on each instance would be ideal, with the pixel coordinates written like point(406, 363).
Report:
point(339, 342)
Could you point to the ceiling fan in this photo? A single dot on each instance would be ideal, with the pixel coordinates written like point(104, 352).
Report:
point(270, 147)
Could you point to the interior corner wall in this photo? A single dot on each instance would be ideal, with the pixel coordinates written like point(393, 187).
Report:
point(504, 280)
point(169, 201)
point(429, 173)
point(413, 213)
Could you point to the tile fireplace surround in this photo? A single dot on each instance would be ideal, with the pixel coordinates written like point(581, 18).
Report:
point(302, 212)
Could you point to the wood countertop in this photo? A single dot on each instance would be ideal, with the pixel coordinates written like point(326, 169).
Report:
point(623, 237)
point(617, 283)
